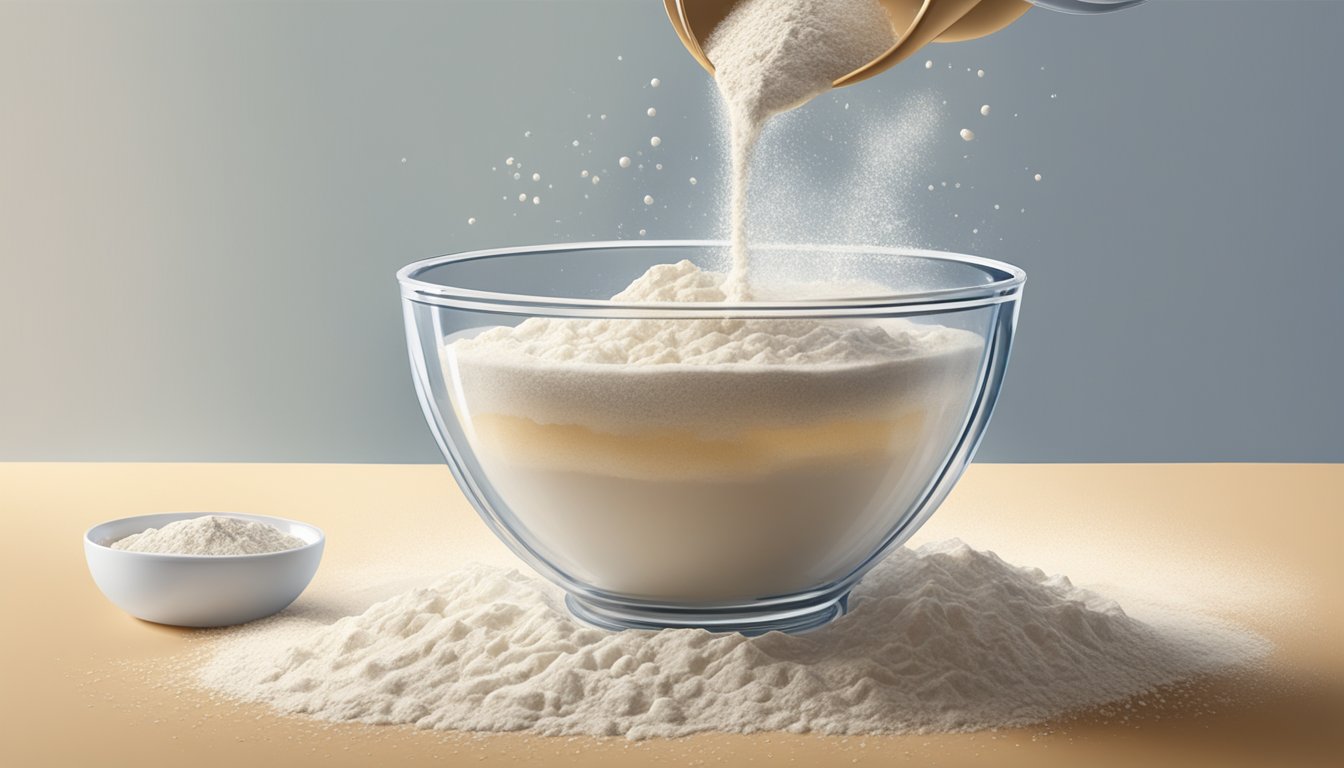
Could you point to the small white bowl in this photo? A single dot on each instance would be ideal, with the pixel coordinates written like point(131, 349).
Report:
point(200, 590)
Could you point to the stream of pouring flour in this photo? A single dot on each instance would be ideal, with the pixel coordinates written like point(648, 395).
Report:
point(771, 56)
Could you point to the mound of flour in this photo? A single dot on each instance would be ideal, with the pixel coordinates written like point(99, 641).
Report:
point(716, 374)
point(704, 342)
point(943, 638)
point(217, 535)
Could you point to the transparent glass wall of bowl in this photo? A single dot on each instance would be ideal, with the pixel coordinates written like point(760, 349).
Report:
point(663, 500)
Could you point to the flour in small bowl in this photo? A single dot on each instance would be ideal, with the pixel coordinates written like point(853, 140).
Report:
point(217, 535)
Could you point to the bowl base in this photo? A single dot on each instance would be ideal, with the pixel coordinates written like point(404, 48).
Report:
point(792, 619)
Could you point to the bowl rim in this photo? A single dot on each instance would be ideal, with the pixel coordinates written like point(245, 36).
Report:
point(320, 541)
point(1005, 287)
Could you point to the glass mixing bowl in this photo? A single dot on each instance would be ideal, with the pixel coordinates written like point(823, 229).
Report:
point(726, 493)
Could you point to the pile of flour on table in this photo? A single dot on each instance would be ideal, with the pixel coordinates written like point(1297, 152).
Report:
point(217, 535)
point(943, 638)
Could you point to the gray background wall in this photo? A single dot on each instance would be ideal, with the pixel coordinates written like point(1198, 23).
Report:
point(202, 205)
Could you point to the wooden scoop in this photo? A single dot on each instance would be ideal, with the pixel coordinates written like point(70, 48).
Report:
point(916, 22)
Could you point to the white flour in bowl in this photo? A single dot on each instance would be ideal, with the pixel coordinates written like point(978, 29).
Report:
point(713, 459)
point(943, 638)
point(771, 56)
point(217, 535)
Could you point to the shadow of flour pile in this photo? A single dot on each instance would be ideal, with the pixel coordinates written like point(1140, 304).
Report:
point(941, 638)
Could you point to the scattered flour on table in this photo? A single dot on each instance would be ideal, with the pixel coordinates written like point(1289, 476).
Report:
point(217, 535)
point(943, 638)
point(771, 56)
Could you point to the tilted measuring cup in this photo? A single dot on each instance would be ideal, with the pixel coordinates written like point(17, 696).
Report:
point(917, 22)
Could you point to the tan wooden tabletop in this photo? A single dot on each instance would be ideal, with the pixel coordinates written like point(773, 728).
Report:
point(83, 684)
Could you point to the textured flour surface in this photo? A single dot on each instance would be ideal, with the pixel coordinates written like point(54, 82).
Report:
point(943, 638)
point(713, 375)
point(211, 535)
point(771, 56)
point(705, 342)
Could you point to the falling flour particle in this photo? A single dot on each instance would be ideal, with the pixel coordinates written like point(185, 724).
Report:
point(648, 199)
point(522, 197)
point(693, 181)
point(624, 162)
point(643, 232)
point(942, 638)
point(216, 535)
point(771, 56)
point(536, 177)
point(517, 176)
point(655, 141)
point(1037, 177)
point(508, 161)
point(967, 134)
point(583, 174)
point(980, 73)
point(596, 178)
point(985, 110)
point(928, 64)
point(471, 220)
point(655, 82)
point(536, 201)
point(652, 112)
